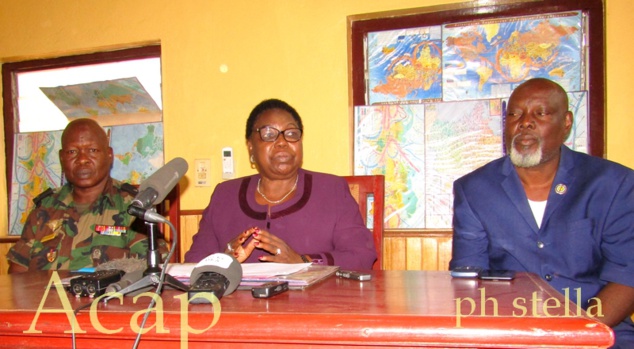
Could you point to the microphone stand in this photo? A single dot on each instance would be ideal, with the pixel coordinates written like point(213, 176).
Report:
point(152, 274)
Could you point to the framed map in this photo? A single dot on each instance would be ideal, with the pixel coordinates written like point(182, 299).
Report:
point(138, 151)
point(486, 59)
point(36, 168)
point(405, 65)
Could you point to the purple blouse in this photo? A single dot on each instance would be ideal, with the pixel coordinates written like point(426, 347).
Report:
point(322, 220)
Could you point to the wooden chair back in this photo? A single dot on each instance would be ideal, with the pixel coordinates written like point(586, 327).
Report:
point(369, 192)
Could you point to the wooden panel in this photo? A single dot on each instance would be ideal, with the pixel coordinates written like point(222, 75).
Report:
point(394, 254)
point(429, 253)
point(417, 250)
point(4, 264)
point(444, 252)
point(189, 227)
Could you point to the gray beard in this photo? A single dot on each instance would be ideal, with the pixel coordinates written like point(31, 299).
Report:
point(525, 160)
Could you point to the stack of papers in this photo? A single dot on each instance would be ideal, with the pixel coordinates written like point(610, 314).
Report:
point(256, 271)
point(298, 275)
point(255, 274)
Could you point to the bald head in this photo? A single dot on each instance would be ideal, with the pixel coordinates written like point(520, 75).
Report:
point(88, 125)
point(544, 85)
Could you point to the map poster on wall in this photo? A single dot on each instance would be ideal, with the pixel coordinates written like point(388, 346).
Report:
point(487, 59)
point(405, 65)
point(389, 140)
point(459, 138)
point(111, 102)
point(36, 168)
point(421, 150)
point(578, 105)
point(138, 151)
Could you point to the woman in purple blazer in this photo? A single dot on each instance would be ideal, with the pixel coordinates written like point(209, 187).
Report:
point(284, 213)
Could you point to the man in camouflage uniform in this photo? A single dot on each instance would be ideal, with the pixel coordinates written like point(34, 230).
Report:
point(83, 223)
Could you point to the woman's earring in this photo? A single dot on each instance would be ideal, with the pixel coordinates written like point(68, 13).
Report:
point(252, 161)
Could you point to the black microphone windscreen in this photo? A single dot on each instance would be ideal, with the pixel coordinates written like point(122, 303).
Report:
point(222, 264)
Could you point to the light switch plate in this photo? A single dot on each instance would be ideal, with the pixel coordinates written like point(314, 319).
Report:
point(202, 167)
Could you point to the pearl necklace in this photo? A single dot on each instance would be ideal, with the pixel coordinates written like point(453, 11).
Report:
point(283, 198)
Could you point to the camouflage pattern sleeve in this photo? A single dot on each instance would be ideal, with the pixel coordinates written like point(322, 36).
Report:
point(42, 238)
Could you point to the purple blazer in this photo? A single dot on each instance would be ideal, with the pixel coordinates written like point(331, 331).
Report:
point(321, 220)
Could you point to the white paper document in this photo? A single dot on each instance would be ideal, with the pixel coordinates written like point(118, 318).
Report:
point(181, 270)
point(271, 269)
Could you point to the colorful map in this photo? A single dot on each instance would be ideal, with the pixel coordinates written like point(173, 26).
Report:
point(389, 141)
point(487, 59)
point(578, 105)
point(119, 96)
point(460, 137)
point(36, 168)
point(421, 150)
point(405, 65)
point(138, 151)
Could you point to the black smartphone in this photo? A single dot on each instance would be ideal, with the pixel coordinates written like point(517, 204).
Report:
point(353, 275)
point(466, 272)
point(503, 275)
point(269, 289)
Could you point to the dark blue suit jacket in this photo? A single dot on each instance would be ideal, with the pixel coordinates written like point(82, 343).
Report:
point(586, 237)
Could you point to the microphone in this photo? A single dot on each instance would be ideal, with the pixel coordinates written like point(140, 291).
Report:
point(218, 273)
point(132, 267)
point(126, 280)
point(148, 215)
point(156, 187)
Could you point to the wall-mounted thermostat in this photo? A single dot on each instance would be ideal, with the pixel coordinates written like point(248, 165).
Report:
point(228, 169)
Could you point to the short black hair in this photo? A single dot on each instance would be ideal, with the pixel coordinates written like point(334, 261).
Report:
point(269, 104)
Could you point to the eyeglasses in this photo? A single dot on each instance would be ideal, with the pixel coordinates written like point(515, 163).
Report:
point(270, 134)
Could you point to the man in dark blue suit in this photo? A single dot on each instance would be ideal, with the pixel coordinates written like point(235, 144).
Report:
point(543, 208)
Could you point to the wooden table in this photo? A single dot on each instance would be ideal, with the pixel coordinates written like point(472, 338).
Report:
point(396, 308)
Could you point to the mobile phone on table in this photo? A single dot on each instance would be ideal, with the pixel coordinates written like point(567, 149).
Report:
point(269, 289)
point(503, 275)
point(353, 275)
point(466, 272)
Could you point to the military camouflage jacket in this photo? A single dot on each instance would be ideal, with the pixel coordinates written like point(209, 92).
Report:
point(57, 236)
